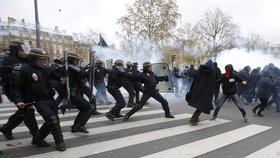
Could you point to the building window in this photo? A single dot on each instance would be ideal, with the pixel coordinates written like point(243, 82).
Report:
point(272, 49)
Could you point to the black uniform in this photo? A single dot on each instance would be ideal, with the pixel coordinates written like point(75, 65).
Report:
point(128, 86)
point(33, 84)
point(115, 82)
point(78, 88)
point(150, 81)
point(137, 86)
point(27, 114)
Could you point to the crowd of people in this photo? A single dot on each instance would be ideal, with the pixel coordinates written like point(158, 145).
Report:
point(29, 82)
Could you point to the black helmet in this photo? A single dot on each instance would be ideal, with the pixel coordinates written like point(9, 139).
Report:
point(17, 45)
point(129, 64)
point(38, 53)
point(118, 63)
point(98, 62)
point(146, 64)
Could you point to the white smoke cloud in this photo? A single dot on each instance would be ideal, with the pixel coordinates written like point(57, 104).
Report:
point(144, 54)
point(240, 58)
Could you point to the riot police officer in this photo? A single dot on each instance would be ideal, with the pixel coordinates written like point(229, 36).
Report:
point(77, 86)
point(115, 82)
point(32, 84)
point(17, 56)
point(128, 86)
point(137, 86)
point(150, 81)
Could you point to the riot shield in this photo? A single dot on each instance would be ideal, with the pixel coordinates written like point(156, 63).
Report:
point(162, 69)
point(67, 103)
point(109, 64)
point(91, 68)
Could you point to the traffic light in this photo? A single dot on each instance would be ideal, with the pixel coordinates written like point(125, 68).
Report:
point(173, 57)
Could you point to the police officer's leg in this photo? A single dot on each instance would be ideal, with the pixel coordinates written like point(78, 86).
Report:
point(131, 94)
point(46, 109)
point(157, 96)
point(13, 121)
point(219, 103)
point(138, 88)
point(32, 125)
point(92, 99)
point(146, 96)
point(83, 116)
point(120, 103)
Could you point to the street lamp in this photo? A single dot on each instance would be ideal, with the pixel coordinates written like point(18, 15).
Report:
point(38, 44)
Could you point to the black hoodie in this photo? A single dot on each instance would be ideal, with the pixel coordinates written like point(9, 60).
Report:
point(229, 84)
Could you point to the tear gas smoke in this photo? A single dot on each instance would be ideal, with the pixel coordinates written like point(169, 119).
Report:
point(144, 54)
point(240, 58)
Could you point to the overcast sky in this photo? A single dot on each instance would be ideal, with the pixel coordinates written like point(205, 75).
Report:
point(259, 16)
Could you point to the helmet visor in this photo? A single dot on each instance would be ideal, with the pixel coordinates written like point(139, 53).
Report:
point(26, 48)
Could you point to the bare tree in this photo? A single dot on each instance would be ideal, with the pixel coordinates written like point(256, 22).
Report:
point(88, 38)
point(254, 41)
point(216, 31)
point(152, 20)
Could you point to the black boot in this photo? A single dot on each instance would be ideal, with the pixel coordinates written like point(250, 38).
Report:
point(126, 117)
point(56, 132)
point(39, 143)
point(110, 116)
point(118, 115)
point(94, 111)
point(6, 132)
point(44, 131)
point(136, 108)
point(167, 112)
point(79, 125)
point(14, 120)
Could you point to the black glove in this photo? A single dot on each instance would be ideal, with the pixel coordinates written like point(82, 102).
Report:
point(166, 78)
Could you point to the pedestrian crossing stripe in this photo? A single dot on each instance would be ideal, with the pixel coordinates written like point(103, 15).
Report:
point(212, 143)
point(14, 108)
point(67, 114)
point(270, 151)
point(101, 130)
point(95, 148)
point(91, 120)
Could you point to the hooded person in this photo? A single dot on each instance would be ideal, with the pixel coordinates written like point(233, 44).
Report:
point(229, 81)
point(201, 92)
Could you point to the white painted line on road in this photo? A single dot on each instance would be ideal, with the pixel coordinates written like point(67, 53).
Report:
point(100, 130)
point(209, 144)
point(95, 148)
point(3, 109)
point(69, 114)
point(91, 120)
point(270, 151)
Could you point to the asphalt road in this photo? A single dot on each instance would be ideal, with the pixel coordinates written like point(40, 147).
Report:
point(149, 134)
